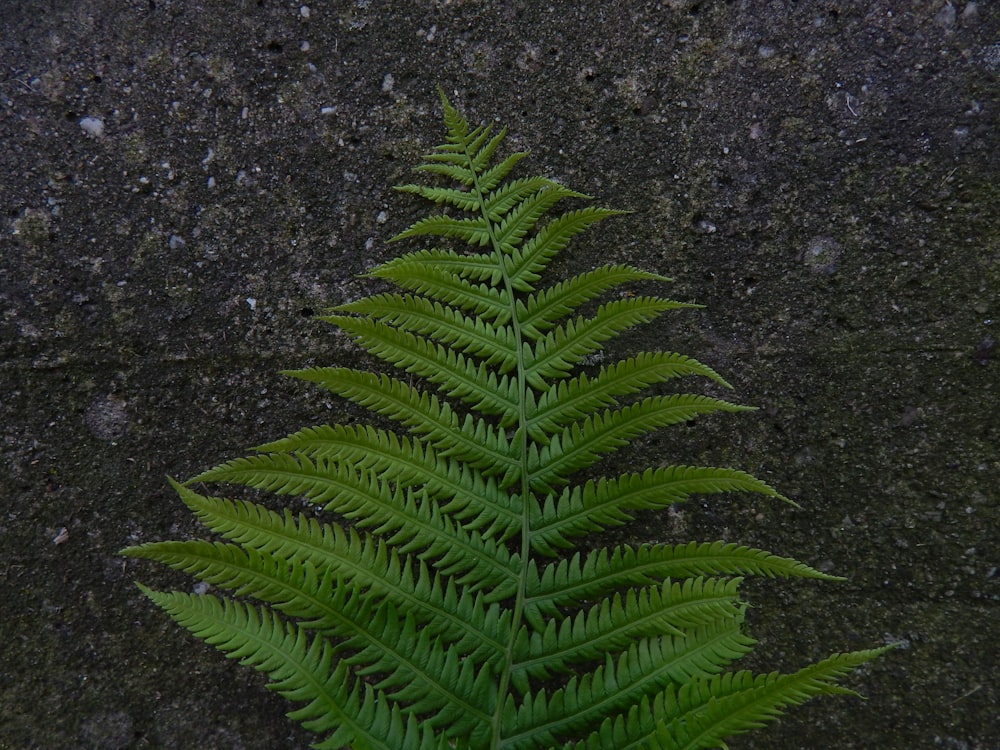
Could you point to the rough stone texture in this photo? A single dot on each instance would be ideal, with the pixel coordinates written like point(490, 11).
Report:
point(185, 182)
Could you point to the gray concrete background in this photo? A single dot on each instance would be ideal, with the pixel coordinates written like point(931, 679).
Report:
point(822, 175)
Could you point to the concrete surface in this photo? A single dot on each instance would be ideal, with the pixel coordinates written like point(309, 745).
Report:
point(186, 182)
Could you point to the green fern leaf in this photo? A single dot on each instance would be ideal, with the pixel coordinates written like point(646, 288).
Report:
point(443, 324)
point(458, 376)
point(728, 704)
point(573, 581)
point(571, 399)
point(617, 621)
point(302, 669)
point(611, 502)
point(527, 263)
point(569, 344)
point(475, 267)
point(475, 442)
point(437, 601)
point(582, 443)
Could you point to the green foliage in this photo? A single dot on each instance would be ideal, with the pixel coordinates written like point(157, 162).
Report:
point(445, 602)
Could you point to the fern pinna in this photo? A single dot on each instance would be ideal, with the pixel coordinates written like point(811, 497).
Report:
point(442, 604)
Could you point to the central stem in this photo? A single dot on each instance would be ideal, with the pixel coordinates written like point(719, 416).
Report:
point(521, 446)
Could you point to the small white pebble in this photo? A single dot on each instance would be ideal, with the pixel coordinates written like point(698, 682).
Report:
point(304, 11)
point(176, 242)
point(328, 110)
point(92, 126)
point(252, 303)
point(388, 82)
point(383, 217)
point(211, 182)
point(304, 47)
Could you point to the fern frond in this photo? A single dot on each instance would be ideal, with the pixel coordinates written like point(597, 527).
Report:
point(313, 463)
point(432, 610)
point(464, 158)
point(475, 232)
point(300, 667)
point(457, 375)
point(542, 311)
point(463, 200)
point(575, 580)
point(473, 441)
point(528, 263)
point(494, 345)
point(703, 652)
point(473, 267)
point(351, 555)
point(582, 443)
point(407, 522)
point(424, 278)
point(499, 202)
point(314, 588)
point(489, 179)
point(623, 687)
point(673, 609)
point(568, 400)
point(530, 197)
point(310, 462)
point(734, 703)
point(569, 344)
point(606, 502)
point(430, 678)
point(511, 229)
